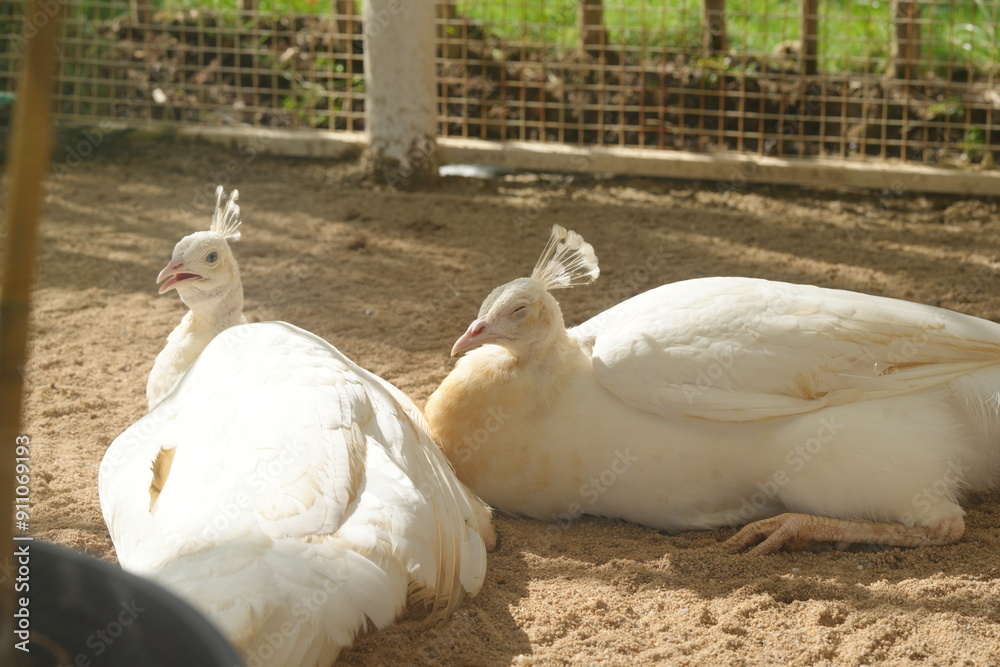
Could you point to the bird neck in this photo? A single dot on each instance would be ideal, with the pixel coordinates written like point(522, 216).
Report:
point(220, 313)
point(542, 361)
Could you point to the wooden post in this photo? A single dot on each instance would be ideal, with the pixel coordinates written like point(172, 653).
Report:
point(452, 46)
point(401, 106)
point(346, 20)
point(810, 37)
point(590, 24)
point(906, 45)
point(142, 12)
point(30, 151)
point(713, 27)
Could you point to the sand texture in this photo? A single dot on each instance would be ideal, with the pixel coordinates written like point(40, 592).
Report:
point(393, 278)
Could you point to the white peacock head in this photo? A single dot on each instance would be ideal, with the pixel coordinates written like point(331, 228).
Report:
point(202, 267)
point(522, 313)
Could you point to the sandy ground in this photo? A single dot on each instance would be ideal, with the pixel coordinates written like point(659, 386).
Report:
point(392, 278)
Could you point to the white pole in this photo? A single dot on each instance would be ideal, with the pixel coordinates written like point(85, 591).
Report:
point(401, 104)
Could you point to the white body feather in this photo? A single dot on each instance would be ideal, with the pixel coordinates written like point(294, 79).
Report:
point(184, 344)
point(719, 401)
point(304, 496)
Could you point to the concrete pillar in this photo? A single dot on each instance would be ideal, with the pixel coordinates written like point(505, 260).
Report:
point(400, 79)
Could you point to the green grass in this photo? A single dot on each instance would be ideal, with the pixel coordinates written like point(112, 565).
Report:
point(851, 32)
point(264, 6)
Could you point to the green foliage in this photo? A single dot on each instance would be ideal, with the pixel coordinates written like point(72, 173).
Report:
point(974, 140)
point(854, 35)
point(950, 107)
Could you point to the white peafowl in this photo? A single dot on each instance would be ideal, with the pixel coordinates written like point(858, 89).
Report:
point(207, 278)
point(292, 497)
point(810, 414)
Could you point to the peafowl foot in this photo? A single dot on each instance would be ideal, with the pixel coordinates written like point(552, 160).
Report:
point(797, 530)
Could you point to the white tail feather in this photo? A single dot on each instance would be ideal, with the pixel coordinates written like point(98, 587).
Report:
point(226, 221)
point(566, 261)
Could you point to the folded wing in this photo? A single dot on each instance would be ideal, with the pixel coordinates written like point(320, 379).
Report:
point(738, 349)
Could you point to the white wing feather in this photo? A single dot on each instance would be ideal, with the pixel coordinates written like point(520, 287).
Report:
point(740, 349)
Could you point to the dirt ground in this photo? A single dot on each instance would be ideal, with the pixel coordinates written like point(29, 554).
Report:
point(393, 278)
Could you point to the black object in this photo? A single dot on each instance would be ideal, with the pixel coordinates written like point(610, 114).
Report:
point(84, 612)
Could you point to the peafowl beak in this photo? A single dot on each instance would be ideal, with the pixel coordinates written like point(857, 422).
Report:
point(478, 334)
point(176, 274)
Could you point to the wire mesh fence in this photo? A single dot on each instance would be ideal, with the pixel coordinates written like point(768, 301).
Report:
point(216, 64)
point(914, 80)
